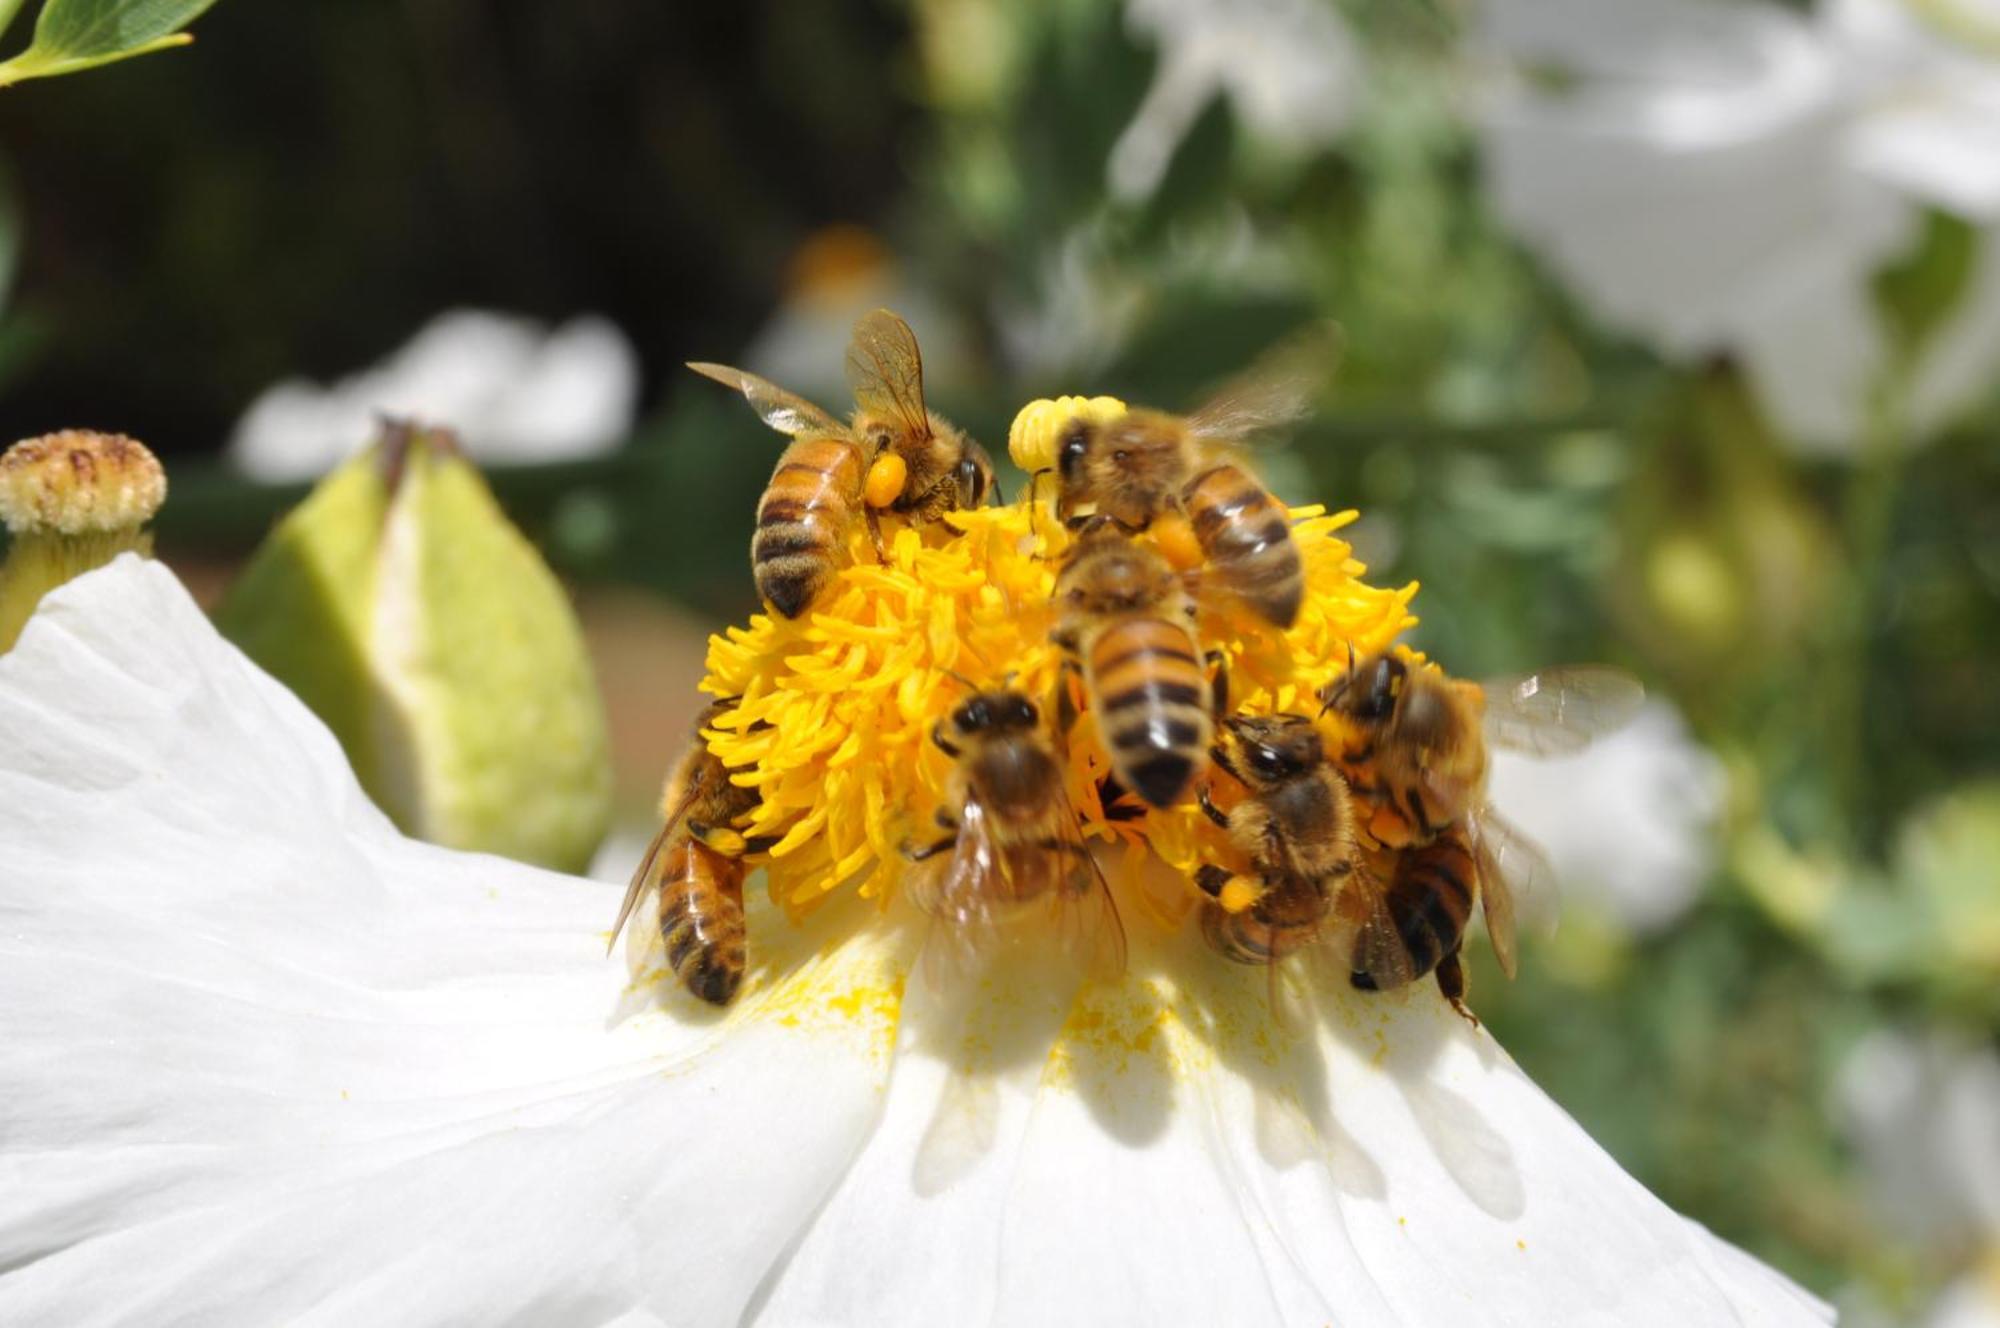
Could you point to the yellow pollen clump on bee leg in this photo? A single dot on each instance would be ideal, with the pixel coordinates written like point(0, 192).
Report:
point(1239, 894)
point(885, 479)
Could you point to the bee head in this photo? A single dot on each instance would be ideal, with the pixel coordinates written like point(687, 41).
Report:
point(1368, 693)
point(995, 712)
point(1271, 748)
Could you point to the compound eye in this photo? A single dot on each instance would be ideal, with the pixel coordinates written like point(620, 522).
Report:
point(1379, 698)
point(973, 714)
point(1074, 444)
point(1265, 762)
point(971, 482)
point(1024, 712)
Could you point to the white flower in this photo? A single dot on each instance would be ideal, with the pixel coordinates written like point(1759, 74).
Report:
point(263, 1060)
point(1717, 178)
point(1627, 822)
point(1924, 1114)
point(1289, 68)
point(512, 389)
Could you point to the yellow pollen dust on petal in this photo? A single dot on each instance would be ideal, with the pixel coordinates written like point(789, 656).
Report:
point(837, 707)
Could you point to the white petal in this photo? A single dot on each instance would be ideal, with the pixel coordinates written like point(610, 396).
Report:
point(1694, 188)
point(1178, 1159)
point(262, 1060)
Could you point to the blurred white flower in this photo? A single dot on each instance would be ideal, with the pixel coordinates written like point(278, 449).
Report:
point(1715, 177)
point(837, 275)
point(1290, 69)
point(263, 1060)
point(1628, 823)
point(514, 391)
point(1971, 1301)
point(1923, 1111)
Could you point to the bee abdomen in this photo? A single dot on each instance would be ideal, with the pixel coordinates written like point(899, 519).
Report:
point(1285, 920)
point(1430, 899)
point(1153, 712)
point(1246, 540)
point(800, 520)
point(701, 919)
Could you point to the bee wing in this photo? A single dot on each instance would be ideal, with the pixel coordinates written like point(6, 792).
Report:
point(641, 878)
point(958, 889)
point(886, 370)
point(784, 411)
point(1275, 391)
point(1515, 878)
point(1379, 950)
point(1095, 932)
point(1559, 711)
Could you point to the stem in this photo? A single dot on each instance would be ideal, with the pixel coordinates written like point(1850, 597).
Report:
point(40, 561)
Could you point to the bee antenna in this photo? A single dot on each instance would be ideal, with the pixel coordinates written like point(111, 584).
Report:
point(968, 683)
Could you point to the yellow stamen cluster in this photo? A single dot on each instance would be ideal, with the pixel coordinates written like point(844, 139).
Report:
point(837, 707)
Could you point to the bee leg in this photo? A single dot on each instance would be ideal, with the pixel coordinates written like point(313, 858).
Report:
point(930, 850)
point(721, 838)
point(943, 744)
point(1210, 879)
point(1219, 686)
point(760, 843)
point(1065, 709)
point(1451, 981)
point(874, 521)
point(1210, 810)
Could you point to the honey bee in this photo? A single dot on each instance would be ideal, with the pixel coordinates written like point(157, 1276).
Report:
point(1139, 466)
point(696, 864)
point(827, 479)
point(1417, 751)
point(1127, 624)
point(1011, 835)
point(1296, 829)
point(1416, 742)
point(943, 469)
point(1408, 914)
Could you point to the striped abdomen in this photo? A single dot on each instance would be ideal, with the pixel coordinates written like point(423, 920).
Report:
point(1287, 918)
point(1246, 542)
point(701, 918)
point(802, 521)
point(1152, 702)
point(1429, 898)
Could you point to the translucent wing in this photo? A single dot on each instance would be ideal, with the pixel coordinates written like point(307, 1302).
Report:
point(641, 878)
point(1559, 711)
point(784, 411)
point(1275, 391)
point(1093, 931)
point(959, 889)
point(886, 371)
point(1515, 879)
point(1379, 950)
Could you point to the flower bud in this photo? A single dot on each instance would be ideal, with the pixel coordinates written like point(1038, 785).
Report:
point(71, 501)
point(405, 609)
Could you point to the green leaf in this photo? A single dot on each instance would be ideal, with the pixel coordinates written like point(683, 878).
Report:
point(72, 35)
